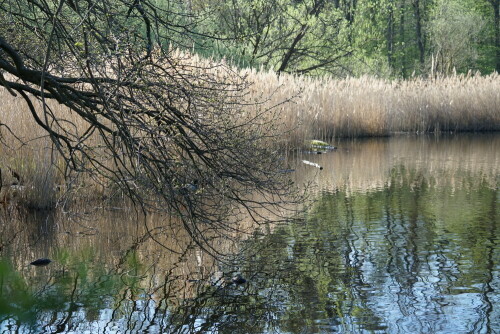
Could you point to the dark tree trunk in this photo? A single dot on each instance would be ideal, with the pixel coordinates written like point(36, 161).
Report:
point(350, 9)
point(496, 9)
point(390, 36)
point(418, 31)
point(292, 49)
point(315, 10)
point(402, 23)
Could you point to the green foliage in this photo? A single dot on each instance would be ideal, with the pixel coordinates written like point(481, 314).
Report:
point(14, 288)
point(316, 37)
point(388, 38)
point(284, 35)
point(454, 31)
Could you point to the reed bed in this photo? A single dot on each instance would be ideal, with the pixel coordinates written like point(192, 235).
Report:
point(326, 108)
point(24, 157)
point(32, 172)
point(27, 151)
point(306, 108)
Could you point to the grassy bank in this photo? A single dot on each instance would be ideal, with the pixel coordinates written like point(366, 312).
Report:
point(324, 108)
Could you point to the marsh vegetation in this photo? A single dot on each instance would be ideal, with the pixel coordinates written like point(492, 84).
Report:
point(157, 158)
point(321, 108)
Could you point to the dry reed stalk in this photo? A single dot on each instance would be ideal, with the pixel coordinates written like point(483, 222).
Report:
point(353, 107)
point(26, 150)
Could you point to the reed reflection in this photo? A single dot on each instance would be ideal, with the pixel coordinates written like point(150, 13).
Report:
point(402, 236)
point(366, 164)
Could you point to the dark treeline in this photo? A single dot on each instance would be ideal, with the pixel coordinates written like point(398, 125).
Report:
point(389, 38)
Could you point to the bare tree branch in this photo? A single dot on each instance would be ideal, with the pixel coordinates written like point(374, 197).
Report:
point(174, 133)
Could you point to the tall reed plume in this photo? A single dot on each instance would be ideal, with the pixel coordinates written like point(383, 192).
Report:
point(324, 108)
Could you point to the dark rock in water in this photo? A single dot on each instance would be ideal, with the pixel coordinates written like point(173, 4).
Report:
point(41, 262)
point(238, 279)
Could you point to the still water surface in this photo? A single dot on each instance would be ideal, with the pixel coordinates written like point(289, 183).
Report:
point(402, 235)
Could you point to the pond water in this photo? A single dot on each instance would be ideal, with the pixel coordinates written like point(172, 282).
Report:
point(402, 235)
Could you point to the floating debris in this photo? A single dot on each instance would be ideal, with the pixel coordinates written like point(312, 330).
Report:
point(227, 281)
point(41, 262)
point(312, 164)
point(316, 145)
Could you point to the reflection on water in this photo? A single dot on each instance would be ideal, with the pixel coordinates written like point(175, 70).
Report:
point(403, 236)
point(363, 165)
point(405, 259)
